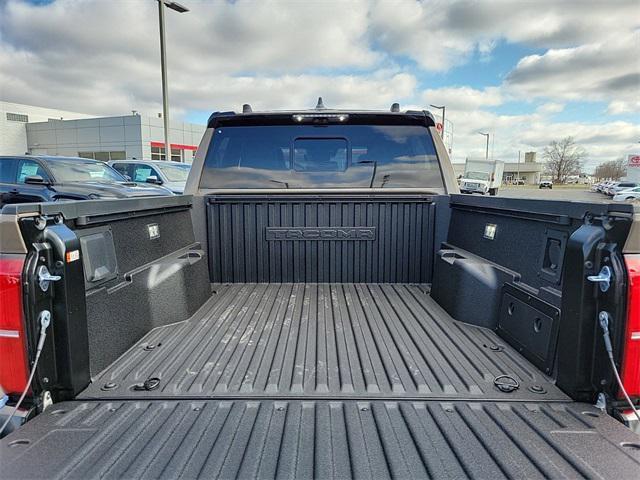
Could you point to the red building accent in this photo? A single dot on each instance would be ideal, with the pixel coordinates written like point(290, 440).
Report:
point(178, 146)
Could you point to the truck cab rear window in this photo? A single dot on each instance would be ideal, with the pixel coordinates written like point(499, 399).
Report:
point(329, 156)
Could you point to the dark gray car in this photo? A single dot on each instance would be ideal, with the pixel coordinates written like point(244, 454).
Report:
point(26, 179)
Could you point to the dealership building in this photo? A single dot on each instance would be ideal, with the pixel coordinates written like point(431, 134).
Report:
point(43, 131)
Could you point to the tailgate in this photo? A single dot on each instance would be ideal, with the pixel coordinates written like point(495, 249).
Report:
point(320, 439)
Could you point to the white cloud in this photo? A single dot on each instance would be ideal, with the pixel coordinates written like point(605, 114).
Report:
point(551, 107)
point(103, 57)
point(606, 71)
point(531, 132)
point(300, 91)
point(463, 98)
point(621, 107)
point(439, 34)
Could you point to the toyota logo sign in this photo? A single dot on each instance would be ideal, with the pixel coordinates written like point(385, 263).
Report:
point(634, 161)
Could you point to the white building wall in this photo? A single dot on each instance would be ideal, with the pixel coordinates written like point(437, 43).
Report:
point(72, 137)
point(132, 134)
point(13, 134)
point(180, 133)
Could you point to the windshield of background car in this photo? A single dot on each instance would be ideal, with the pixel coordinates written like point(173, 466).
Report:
point(328, 156)
point(175, 173)
point(477, 176)
point(83, 171)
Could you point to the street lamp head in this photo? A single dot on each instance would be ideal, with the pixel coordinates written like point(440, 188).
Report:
point(175, 6)
point(436, 106)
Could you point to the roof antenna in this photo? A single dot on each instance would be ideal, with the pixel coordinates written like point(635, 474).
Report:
point(320, 105)
point(395, 107)
point(246, 108)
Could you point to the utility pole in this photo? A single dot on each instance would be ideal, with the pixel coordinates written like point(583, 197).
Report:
point(486, 155)
point(444, 109)
point(163, 65)
point(518, 179)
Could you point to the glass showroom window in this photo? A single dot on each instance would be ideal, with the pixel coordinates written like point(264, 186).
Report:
point(104, 156)
point(157, 153)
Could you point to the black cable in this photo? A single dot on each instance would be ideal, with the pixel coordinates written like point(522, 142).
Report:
point(604, 324)
point(45, 319)
point(622, 389)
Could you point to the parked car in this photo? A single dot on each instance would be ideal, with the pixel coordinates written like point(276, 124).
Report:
point(322, 304)
point(608, 190)
point(604, 185)
point(628, 194)
point(50, 178)
point(620, 186)
point(545, 184)
point(171, 175)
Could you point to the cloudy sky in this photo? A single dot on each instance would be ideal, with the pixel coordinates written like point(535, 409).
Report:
point(526, 71)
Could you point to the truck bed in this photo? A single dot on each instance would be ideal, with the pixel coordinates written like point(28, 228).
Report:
point(334, 341)
point(320, 439)
point(323, 380)
point(326, 381)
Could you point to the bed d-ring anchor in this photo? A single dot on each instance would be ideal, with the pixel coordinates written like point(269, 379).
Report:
point(148, 385)
point(506, 383)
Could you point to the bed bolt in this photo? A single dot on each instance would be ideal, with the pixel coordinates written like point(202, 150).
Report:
point(537, 389)
point(280, 409)
point(150, 347)
point(109, 386)
point(364, 409)
point(40, 223)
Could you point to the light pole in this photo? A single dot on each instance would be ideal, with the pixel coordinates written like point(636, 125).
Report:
point(486, 155)
point(443, 108)
point(163, 65)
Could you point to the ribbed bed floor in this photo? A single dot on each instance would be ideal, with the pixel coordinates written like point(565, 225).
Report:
point(321, 341)
point(320, 439)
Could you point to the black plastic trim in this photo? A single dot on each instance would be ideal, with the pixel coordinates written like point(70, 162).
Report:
point(542, 209)
point(90, 209)
point(514, 213)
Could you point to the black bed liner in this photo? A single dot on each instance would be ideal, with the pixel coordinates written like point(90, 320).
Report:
point(320, 439)
point(369, 341)
point(321, 381)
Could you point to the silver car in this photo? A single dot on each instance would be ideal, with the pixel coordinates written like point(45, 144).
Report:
point(626, 195)
point(171, 175)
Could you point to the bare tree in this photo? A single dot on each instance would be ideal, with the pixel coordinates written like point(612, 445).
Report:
point(612, 170)
point(563, 158)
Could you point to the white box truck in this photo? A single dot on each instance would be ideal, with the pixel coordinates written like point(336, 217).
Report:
point(482, 176)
